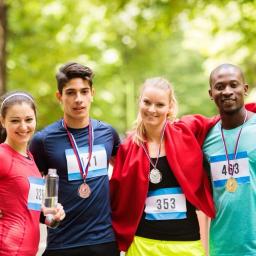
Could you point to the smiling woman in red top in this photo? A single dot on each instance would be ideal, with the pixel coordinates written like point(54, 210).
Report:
point(21, 184)
point(158, 180)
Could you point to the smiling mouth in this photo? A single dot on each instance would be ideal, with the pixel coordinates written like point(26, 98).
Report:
point(228, 100)
point(79, 109)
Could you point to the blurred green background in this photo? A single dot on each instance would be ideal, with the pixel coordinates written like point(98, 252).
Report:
point(125, 42)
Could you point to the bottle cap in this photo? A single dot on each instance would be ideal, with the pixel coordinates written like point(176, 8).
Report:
point(52, 171)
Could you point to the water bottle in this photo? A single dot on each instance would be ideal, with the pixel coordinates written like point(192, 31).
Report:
point(51, 193)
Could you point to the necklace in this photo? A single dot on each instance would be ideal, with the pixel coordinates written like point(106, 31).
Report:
point(155, 176)
point(84, 190)
point(231, 184)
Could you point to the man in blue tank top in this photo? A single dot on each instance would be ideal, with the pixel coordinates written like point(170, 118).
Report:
point(230, 149)
point(80, 148)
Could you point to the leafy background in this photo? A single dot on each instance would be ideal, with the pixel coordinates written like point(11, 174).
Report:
point(125, 42)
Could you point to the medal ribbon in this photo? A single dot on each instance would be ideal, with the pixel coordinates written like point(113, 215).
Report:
point(159, 151)
point(236, 146)
point(83, 169)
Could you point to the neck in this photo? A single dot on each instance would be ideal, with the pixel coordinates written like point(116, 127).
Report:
point(154, 133)
point(76, 123)
point(20, 148)
point(233, 120)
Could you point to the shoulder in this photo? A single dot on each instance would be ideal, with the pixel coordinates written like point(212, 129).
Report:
point(196, 123)
point(48, 130)
point(102, 126)
point(127, 144)
point(52, 127)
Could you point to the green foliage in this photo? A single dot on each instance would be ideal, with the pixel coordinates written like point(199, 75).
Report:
point(125, 42)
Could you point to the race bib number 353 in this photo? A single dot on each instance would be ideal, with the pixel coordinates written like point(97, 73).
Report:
point(165, 204)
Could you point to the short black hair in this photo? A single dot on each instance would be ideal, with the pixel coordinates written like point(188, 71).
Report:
point(225, 66)
point(72, 70)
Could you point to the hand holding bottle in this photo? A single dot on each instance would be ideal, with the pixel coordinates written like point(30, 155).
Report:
point(51, 197)
point(53, 215)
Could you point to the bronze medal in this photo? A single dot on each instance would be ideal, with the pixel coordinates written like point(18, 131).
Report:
point(84, 190)
point(231, 185)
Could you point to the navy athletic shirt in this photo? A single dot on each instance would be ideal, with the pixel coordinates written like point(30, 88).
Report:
point(87, 221)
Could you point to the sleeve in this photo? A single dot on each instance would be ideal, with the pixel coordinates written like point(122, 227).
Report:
point(36, 147)
point(251, 107)
point(6, 162)
point(207, 169)
point(199, 125)
point(116, 141)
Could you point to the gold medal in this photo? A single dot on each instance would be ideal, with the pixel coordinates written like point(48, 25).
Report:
point(84, 190)
point(231, 185)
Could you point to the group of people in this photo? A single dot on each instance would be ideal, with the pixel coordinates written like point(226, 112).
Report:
point(164, 171)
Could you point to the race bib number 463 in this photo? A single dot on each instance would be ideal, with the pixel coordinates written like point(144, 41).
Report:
point(238, 168)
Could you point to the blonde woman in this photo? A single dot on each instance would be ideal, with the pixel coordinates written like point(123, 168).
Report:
point(158, 180)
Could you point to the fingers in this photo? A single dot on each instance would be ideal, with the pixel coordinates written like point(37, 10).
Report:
point(57, 212)
point(60, 214)
point(1, 214)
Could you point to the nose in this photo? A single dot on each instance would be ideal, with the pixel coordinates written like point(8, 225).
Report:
point(227, 91)
point(152, 108)
point(23, 125)
point(79, 97)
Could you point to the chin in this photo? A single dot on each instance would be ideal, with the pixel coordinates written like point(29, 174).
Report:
point(230, 111)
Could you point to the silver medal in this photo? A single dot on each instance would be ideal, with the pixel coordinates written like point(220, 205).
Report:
point(155, 176)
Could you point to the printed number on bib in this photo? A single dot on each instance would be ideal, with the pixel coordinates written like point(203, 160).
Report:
point(238, 168)
point(36, 193)
point(166, 204)
point(98, 163)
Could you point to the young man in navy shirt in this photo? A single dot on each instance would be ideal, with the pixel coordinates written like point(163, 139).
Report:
point(80, 148)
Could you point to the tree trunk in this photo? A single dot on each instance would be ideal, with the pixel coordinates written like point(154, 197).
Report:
point(3, 30)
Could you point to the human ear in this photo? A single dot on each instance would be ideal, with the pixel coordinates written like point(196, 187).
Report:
point(210, 94)
point(246, 88)
point(58, 96)
point(2, 122)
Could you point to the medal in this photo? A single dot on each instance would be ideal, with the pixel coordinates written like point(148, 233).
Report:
point(84, 190)
point(231, 185)
point(155, 176)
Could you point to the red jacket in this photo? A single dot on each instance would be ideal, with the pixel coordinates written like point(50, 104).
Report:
point(129, 182)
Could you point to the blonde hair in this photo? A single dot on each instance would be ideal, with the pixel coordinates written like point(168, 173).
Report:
point(138, 133)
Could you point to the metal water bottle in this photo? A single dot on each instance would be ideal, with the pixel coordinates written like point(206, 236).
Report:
point(51, 193)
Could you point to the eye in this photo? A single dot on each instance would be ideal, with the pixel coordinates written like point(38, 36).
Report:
point(70, 93)
point(14, 121)
point(146, 102)
point(29, 119)
point(234, 84)
point(219, 87)
point(160, 105)
point(85, 91)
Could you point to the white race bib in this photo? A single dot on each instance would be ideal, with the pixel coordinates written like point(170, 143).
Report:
point(239, 166)
point(98, 163)
point(166, 204)
point(36, 193)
